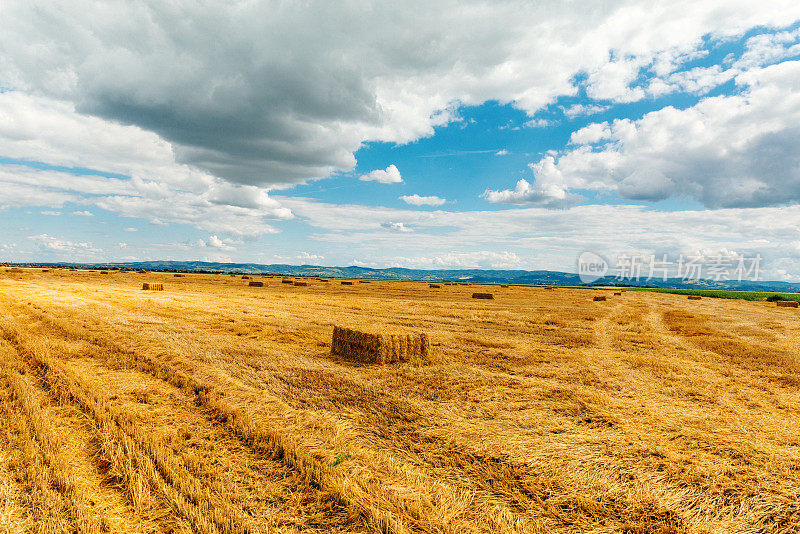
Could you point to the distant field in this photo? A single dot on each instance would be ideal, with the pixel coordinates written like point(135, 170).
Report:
point(215, 407)
point(744, 295)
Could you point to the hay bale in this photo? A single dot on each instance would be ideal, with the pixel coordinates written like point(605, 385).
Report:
point(346, 283)
point(254, 283)
point(434, 286)
point(287, 281)
point(787, 303)
point(618, 294)
point(363, 281)
point(301, 284)
point(549, 287)
point(503, 285)
point(245, 277)
point(599, 299)
point(380, 347)
point(695, 297)
point(482, 296)
point(103, 272)
point(45, 270)
point(177, 275)
point(152, 287)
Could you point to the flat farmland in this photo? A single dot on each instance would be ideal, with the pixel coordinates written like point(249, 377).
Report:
point(216, 407)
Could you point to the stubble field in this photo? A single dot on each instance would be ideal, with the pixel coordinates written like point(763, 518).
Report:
point(215, 407)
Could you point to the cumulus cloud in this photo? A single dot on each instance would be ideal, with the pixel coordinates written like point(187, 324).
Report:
point(84, 213)
point(388, 176)
point(739, 150)
point(138, 172)
point(221, 244)
point(258, 93)
point(417, 200)
point(550, 188)
point(646, 184)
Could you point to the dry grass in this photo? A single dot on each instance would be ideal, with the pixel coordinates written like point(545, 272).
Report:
point(216, 409)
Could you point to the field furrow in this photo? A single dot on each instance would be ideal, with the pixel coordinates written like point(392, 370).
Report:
point(542, 411)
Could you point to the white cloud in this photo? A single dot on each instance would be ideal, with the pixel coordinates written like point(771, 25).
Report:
point(463, 260)
point(582, 110)
point(160, 190)
point(502, 152)
point(290, 96)
point(309, 258)
point(388, 176)
point(537, 123)
point(551, 239)
point(85, 213)
point(525, 193)
point(303, 258)
point(741, 150)
point(51, 213)
point(417, 200)
point(222, 244)
point(130, 229)
point(62, 246)
point(396, 226)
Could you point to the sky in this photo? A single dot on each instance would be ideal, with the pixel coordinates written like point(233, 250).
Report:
point(497, 135)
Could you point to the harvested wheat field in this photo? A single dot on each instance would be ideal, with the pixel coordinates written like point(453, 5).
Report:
point(212, 408)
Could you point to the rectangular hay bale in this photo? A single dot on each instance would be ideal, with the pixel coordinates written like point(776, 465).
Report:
point(787, 303)
point(599, 299)
point(255, 283)
point(301, 284)
point(434, 286)
point(379, 347)
point(152, 287)
point(287, 281)
point(482, 296)
point(695, 297)
point(346, 283)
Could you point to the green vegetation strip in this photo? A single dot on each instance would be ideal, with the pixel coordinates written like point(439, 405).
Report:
point(721, 294)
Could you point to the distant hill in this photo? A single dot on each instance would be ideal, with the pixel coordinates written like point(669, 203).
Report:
point(476, 276)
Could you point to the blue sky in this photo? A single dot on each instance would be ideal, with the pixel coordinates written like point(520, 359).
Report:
point(511, 137)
